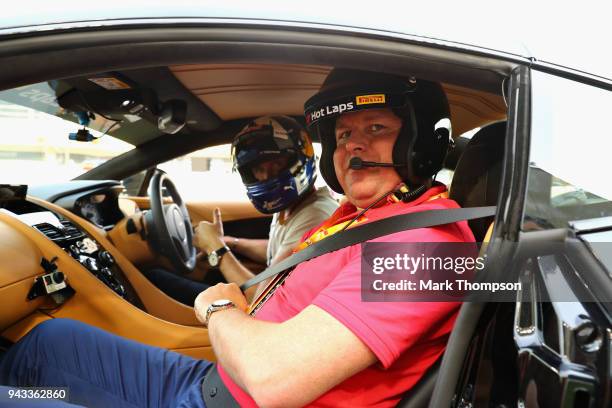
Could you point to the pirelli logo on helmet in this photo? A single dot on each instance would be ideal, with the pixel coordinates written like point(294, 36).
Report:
point(370, 99)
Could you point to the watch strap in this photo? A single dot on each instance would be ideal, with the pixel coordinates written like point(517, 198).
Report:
point(212, 308)
point(218, 254)
point(222, 251)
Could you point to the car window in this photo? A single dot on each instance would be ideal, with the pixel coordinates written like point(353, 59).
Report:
point(35, 146)
point(206, 175)
point(133, 183)
point(571, 147)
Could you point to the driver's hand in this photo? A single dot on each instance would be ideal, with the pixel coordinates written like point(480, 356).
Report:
point(229, 291)
point(208, 236)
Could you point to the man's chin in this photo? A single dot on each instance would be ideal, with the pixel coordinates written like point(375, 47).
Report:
point(362, 197)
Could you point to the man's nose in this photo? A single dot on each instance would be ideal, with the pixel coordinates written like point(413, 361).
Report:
point(263, 174)
point(357, 141)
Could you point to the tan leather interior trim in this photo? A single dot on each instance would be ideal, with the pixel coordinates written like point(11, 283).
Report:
point(96, 304)
point(486, 239)
point(18, 270)
point(487, 236)
point(471, 109)
point(23, 326)
point(133, 246)
point(15, 303)
point(155, 301)
point(144, 203)
point(20, 257)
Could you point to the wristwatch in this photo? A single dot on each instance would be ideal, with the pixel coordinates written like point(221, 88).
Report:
point(214, 258)
point(221, 304)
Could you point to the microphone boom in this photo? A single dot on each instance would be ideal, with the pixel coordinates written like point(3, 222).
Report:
point(356, 163)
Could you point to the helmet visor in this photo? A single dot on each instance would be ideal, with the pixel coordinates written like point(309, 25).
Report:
point(266, 168)
point(261, 153)
point(258, 140)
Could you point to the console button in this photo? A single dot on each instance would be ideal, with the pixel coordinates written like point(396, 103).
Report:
point(91, 264)
point(105, 258)
point(74, 251)
point(107, 272)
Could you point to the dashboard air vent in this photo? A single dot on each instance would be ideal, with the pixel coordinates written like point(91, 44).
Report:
point(50, 231)
point(69, 232)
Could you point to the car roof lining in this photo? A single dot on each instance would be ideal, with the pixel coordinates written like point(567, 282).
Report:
point(235, 91)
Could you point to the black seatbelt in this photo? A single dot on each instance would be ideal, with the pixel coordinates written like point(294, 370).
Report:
point(371, 230)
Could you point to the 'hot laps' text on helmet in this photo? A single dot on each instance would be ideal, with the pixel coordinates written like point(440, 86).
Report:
point(330, 110)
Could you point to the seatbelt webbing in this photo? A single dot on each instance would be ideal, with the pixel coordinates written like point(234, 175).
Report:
point(371, 230)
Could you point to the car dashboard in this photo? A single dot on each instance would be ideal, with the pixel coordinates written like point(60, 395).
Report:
point(95, 200)
point(67, 229)
point(76, 242)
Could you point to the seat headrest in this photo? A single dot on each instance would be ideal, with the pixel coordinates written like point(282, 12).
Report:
point(478, 173)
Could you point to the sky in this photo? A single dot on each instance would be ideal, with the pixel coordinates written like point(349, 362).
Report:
point(572, 34)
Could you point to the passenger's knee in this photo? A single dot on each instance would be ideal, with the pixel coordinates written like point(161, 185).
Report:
point(55, 328)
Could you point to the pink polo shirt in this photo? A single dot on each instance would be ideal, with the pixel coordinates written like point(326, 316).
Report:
point(406, 337)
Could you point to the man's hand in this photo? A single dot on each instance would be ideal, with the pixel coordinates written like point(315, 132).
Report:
point(208, 236)
point(229, 291)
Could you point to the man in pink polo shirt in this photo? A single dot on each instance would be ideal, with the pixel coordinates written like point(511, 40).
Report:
point(314, 341)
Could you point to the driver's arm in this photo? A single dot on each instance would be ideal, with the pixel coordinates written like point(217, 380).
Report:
point(233, 271)
point(208, 237)
point(282, 364)
point(254, 249)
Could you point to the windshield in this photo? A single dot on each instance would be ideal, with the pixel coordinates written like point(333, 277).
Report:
point(34, 141)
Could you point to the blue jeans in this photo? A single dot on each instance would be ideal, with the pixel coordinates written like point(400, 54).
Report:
point(182, 289)
point(101, 369)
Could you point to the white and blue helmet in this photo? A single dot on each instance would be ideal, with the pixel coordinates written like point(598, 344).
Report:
point(275, 137)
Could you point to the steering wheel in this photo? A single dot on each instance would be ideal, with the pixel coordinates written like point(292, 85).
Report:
point(169, 229)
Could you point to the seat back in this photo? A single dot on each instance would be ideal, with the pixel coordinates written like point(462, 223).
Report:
point(478, 174)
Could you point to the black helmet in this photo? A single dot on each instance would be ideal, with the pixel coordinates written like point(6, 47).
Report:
point(426, 130)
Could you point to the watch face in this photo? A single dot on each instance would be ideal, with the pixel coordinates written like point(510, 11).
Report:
point(221, 302)
point(213, 259)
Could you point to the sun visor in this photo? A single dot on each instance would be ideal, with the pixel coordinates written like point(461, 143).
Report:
point(110, 102)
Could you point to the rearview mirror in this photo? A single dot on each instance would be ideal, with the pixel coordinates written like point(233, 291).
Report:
point(172, 116)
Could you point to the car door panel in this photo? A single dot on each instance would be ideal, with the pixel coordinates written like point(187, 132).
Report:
point(552, 345)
